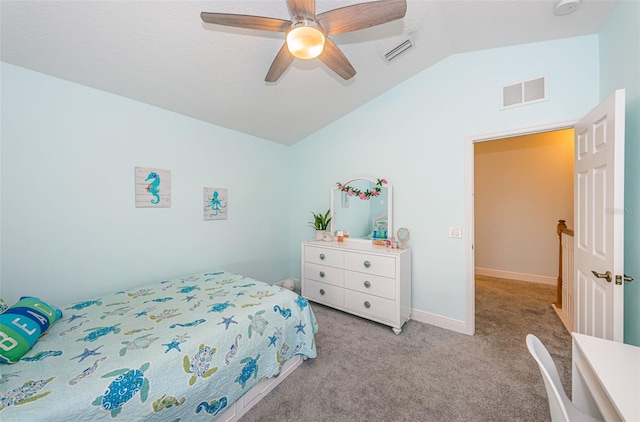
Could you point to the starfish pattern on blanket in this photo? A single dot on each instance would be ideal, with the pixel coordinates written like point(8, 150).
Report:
point(227, 322)
point(87, 352)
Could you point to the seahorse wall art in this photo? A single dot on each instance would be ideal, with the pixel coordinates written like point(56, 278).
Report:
point(153, 187)
point(215, 204)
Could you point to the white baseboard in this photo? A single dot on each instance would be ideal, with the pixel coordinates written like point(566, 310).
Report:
point(564, 318)
point(534, 278)
point(440, 321)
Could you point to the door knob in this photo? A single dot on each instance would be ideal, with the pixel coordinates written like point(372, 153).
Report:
point(606, 276)
point(627, 278)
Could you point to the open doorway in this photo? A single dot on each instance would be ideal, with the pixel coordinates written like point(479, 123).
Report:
point(521, 184)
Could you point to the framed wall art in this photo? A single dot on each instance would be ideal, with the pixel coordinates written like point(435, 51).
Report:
point(153, 188)
point(215, 204)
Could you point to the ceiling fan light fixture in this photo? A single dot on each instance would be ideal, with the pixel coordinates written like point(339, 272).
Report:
point(305, 39)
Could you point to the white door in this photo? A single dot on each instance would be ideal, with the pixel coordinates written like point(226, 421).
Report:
point(599, 220)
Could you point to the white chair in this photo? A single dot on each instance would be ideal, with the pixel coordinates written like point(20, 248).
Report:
point(561, 408)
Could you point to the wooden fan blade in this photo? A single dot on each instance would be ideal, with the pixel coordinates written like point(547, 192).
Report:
point(281, 63)
point(335, 59)
point(302, 8)
point(360, 16)
point(246, 21)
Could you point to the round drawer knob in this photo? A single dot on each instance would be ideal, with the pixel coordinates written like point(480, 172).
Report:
point(321, 273)
point(367, 305)
point(321, 256)
point(367, 264)
point(367, 284)
point(322, 292)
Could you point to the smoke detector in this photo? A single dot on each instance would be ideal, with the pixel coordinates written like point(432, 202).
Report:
point(565, 7)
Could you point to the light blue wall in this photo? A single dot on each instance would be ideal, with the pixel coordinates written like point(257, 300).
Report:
point(70, 229)
point(414, 136)
point(620, 68)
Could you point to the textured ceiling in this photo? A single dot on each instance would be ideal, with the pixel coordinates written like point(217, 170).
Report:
point(161, 53)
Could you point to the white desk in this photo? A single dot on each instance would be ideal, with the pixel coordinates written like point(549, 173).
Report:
point(606, 378)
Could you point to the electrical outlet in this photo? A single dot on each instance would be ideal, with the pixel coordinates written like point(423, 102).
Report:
point(455, 232)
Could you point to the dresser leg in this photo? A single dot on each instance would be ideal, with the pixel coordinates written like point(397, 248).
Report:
point(397, 331)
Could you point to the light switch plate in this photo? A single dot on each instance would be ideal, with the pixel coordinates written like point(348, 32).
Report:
point(455, 232)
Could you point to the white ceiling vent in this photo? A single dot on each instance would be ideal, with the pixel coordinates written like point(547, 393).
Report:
point(526, 92)
point(398, 50)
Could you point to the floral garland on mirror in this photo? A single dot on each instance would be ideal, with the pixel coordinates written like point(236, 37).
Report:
point(367, 194)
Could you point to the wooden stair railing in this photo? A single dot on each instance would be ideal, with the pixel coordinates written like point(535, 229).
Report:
point(561, 228)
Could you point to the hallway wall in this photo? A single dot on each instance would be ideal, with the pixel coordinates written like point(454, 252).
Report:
point(523, 186)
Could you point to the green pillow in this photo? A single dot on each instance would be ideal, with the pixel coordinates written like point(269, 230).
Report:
point(22, 324)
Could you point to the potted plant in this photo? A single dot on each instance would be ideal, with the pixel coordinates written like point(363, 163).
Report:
point(320, 223)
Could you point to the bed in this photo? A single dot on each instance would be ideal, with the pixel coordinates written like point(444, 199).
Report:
point(185, 349)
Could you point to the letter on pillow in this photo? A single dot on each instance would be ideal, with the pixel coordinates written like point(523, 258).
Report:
point(22, 324)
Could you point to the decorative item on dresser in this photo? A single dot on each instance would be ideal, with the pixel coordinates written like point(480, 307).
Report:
point(354, 275)
point(320, 223)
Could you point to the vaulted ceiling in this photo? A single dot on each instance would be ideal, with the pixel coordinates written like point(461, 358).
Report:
point(162, 54)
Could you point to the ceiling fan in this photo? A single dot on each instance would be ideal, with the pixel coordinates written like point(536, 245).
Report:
point(307, 33)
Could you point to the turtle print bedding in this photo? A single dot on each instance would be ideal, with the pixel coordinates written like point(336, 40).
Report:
point(180, 350)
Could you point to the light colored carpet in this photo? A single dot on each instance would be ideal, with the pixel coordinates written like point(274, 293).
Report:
point(364, 372)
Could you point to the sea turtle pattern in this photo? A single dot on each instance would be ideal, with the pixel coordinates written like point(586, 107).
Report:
point(167, 402)
point(96, 333)
point(86, 304)
point(219, 307)
point(200, 363)
point(141, 342)
point(249, 369)
point(127, 384)
point(258, 323)
point(166, 314)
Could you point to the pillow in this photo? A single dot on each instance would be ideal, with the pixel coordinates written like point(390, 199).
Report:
point(3, 305)
point(22, 324)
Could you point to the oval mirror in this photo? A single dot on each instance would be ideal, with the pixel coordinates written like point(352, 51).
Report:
point(403, 236)
point(362, 208)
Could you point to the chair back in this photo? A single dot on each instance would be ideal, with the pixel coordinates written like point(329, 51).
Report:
point(557, 397)
point(561, 408)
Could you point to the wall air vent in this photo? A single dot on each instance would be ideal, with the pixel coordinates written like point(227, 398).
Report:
point(398, 50)
point(521, 93)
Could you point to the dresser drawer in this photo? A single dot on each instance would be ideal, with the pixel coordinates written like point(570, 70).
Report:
point(324, 274)
point(370, 284)
point(324, 256)
point(323, 293)
point(384, 266)
point(371, 305)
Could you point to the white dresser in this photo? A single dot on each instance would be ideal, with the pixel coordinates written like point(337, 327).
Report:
point(357, 277)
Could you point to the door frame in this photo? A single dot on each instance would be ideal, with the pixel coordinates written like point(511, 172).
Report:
point(470, 284)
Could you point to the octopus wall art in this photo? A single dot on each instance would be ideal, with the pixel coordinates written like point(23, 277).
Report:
point(215, 204)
